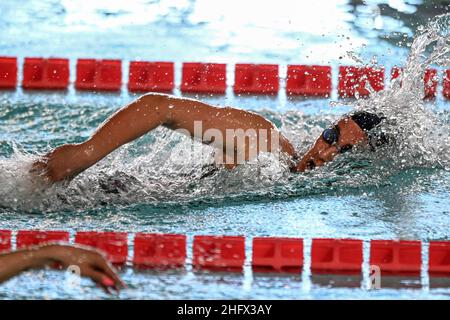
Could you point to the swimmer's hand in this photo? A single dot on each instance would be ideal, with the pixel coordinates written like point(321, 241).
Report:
point(91, 263)
point(62, 163)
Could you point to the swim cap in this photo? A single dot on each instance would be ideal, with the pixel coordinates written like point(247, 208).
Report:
point(365, 120)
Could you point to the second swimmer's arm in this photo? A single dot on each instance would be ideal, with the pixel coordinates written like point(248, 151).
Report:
point(90, 262)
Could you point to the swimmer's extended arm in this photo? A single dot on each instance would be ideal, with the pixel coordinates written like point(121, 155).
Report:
point(140, 117)
point(127, 124)
point(91, 263)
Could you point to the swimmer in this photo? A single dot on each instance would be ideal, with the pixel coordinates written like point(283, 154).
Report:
point(92, 264)
point(153, 110)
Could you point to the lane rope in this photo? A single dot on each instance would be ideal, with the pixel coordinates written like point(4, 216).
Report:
point(208, 78)
point(228, 253)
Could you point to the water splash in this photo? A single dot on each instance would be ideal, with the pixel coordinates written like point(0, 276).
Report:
point(421, 135)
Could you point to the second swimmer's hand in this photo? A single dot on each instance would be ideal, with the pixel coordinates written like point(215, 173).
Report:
point(92, 264)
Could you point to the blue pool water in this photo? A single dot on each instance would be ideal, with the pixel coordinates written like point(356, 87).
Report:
point(387, 195)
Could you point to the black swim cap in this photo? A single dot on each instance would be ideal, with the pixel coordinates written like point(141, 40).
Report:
point(365, 120)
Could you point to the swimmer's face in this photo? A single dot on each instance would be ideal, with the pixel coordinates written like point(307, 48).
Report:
point(350, 134)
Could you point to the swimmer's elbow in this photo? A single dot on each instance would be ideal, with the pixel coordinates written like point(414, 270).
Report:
point(153, 98)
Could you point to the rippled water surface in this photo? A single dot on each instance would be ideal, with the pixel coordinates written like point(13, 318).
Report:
point(397, 192)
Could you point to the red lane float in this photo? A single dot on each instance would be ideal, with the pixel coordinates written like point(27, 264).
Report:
point(336, 256)
point(277, 255)
point(439, 258)
point(395, 72)
point(27, 238)
point(114, 244)
point(8, 72)
point(430, 83)
point(99, 75)
point(256, 78)
point(270, 254)
point(159, 250)
point(396, 257)
point(446, 84)
point(40, 73)
point(308, 80)
point(91, 74)
point(225, 253)
point(5, 240)
point(429, 78)
point(151, 76)
point(353, 81)
point(204, 77)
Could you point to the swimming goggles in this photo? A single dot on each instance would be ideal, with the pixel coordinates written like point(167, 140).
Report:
point(331, 136)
